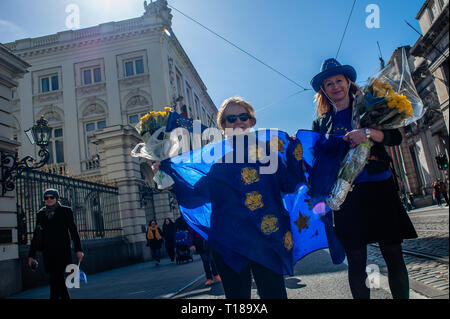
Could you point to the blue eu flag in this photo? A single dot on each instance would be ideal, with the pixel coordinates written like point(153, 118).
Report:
point(246, 214)
point(176, 120)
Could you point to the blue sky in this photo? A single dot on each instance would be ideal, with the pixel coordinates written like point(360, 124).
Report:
point(292, 36)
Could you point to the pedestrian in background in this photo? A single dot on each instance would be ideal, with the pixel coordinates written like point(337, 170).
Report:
point(169, 238)
point(444, 190)
point(372, 211)
point(57, 229)
point(437, 192)
point(154, 237)
point(202, 248)
point(411, 200)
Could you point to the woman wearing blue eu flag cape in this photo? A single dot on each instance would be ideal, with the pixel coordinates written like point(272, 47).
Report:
point(372, 211)
point(237, 116)
point(237, 206)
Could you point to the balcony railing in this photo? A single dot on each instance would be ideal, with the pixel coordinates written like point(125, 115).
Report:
point(90, 164)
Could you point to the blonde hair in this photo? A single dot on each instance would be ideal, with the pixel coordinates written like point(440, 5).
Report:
point(323, 104)
point(238, 101)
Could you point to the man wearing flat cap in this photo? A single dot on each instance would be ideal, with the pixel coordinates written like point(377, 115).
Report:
point(56, 226)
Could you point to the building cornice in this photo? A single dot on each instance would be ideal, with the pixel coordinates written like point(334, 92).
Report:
point(67, 40)
point(12, 62)
point(422, 9)
point(423, 45)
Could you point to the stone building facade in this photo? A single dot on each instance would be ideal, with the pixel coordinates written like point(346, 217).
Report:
point(93, 85)
point(415, 159)
point(12, 68)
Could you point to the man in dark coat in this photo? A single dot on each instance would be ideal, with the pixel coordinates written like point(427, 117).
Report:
point(56, 222)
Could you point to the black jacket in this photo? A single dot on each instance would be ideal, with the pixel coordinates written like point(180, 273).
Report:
point(169, 233)
point(325, 124)
point(57, 233)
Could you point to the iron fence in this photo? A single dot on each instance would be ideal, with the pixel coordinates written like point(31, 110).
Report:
point(95, 205)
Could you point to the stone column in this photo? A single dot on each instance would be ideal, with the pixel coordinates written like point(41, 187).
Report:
point(158, 71)
point(72, 159)
point(114, 145)
point(11, 69)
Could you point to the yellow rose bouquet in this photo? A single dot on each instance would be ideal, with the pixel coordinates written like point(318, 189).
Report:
point(152, 129)
point(152, 122)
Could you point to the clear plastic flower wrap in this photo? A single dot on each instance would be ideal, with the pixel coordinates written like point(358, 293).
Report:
point(152, 128)
point(389, 101)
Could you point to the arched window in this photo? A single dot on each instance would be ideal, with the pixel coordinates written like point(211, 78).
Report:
point(56, 143)
point(94, 120)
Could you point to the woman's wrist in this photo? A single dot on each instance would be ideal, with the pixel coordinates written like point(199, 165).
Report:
point(373, 134)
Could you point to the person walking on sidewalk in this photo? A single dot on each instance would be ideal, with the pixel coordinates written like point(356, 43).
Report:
point(55, 227)
point(169, 238)
point(201, 246)
point(154, 239)
point(444, 190)
point(437, 192)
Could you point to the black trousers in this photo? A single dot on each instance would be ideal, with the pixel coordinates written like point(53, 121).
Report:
point(445, 197)
point(397, 271)
point(170, 248)
point(270, 285)
point(208, 264)
point(58, 289)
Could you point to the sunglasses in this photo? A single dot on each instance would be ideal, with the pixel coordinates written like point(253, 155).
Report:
point(49, 197)
point(244, 117)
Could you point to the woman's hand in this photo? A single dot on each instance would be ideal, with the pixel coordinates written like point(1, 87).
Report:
point(31, 260)
point(355, 137)
point(80, 255)
point(358, 136)
point(155, 167)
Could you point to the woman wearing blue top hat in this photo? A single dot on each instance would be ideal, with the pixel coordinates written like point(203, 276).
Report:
point(373, 211)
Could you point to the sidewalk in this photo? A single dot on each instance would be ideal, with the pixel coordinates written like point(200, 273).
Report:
point(138, 281)
point(315, 277)
point(428, 208)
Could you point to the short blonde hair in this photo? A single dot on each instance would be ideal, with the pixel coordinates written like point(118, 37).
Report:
point(238, 101)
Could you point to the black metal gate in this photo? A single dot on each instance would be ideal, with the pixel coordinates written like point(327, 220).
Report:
point(95, 205)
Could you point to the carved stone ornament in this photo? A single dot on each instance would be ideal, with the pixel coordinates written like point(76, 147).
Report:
point(93, 109)
point(137, 100)
point(91, 89)
point(135, 80)
point(47, 97)
point(52, 116)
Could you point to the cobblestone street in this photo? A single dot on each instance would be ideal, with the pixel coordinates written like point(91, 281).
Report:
point(432, 226)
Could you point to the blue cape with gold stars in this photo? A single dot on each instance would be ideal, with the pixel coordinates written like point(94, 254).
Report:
point(272, 219)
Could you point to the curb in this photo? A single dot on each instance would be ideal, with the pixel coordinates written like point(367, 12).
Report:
point(426, 290)
point(427, 209)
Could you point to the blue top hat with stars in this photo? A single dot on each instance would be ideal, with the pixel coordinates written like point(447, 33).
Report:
point(331, 67)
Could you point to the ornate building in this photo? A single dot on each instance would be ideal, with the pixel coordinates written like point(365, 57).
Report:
point(415, 159)
point(431, 51)
point(93, 85)
point(11, 69)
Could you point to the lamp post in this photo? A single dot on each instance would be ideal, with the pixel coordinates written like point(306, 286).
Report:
point(12, 167)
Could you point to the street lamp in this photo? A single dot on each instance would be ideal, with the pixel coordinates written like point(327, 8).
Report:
point(12, 167)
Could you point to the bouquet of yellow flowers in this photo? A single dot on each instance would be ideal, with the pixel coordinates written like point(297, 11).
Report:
point(152, 129)
point(383, 107)
point(152, 122)
point(389, 101)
